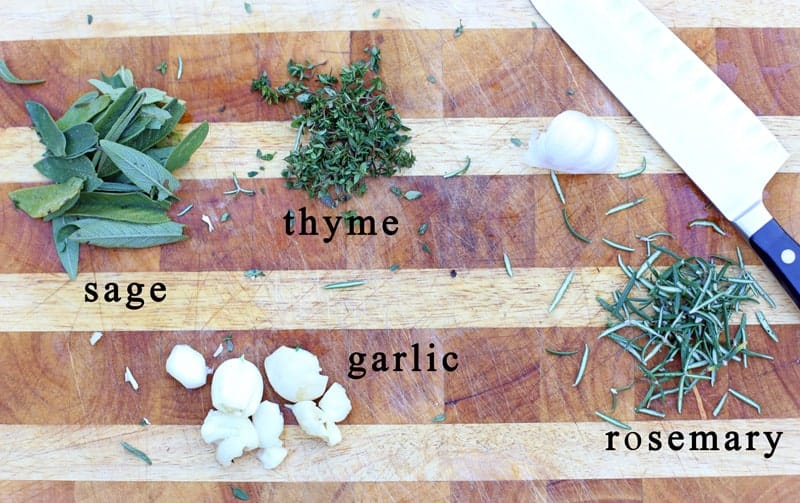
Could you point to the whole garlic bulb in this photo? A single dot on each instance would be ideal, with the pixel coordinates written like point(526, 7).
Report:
point(574, 143)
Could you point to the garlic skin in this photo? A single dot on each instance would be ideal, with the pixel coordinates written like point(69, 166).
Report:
point(574, 143)
point(233, 435)
point(294, 374)
point(188, 366)
point(237, 387)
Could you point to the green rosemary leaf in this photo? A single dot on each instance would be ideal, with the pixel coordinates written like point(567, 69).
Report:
point(422, 228)
point(459, 29)
point(344, 284)
point(746, 399)
point(762, 319)
point(10, 78)
point(558, 352)
point(611, 420)
point(634, 172)
point(180, 69)
point(707, 223)
point(616, 245)
point(625, 206)
point(136, 452)
point(459, 171)
point(718, 408)
point(650, 412)
point(507, 264)
point(582, 367)
point(571, 229)
point(557, 186)
point(561, 290)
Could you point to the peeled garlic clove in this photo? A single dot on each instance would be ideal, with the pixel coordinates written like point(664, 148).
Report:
point(315, 422)
point(334, 434)
point(237, 387)
point(272, 456)
point(574, 143)
point(335, 403)
point(187, 366)
point(268, 421)
point(294, 374)
point(234, 435)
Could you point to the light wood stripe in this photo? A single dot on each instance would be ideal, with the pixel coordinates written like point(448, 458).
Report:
point(408, 298)
point(440, 145)
point(48, 20)
point(387, 453)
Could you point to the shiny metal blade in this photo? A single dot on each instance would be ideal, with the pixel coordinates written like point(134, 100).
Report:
point(691, 113)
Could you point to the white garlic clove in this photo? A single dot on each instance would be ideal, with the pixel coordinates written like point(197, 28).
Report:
point(188, 366)
point(335, 403)
point(272, 456)
point(237, 387)
point(268, 421)
point(314, 422)
point(294, 374)
point(233, 434)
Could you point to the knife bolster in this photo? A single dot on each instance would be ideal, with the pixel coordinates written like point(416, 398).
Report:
point(753, 219)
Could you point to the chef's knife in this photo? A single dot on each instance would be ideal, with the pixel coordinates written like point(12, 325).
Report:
point(690, 112)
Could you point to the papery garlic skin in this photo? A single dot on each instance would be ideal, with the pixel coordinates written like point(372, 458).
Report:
point(294, 374)
point(574, 143)
point(188, 366)
point(233, 435)
point(335, 404)
point(237, 387)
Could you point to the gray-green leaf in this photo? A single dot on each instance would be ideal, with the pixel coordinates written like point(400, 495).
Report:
point(60, 170)
point(144, 171)
point(124, 207)
point(10, 78)
point(184, 150)
point(150, 137)
point(68, 251)
point(47, 200)
point(46, 127)
point(160, 154)
point(81, 139)
point(104, 121)
point(110, 234)
point(153, 95)
point(84, 109)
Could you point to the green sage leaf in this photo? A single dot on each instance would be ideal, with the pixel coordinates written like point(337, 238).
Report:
point(160, 154)
point(153, 95)
point(81, 139)
point(10, 78)
point(46, 128)
point(84, 109)
point(47, 200)
point(150, 137)
point(68, 251)
point(118, 187)
point(111, 234)
point(105, 167)
point(184, 150)
point(141, 169)
point(104, 121)
point(60, 170)
point(124, 207)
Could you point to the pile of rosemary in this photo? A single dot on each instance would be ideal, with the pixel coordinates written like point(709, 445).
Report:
point(352, 131)
point(676, 320)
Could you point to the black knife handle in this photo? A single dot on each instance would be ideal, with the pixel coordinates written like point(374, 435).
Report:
point(781, 254)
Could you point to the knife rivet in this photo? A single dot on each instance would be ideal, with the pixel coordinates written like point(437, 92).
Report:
point(788, 256)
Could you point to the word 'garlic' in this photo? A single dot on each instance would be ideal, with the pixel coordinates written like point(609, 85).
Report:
point(574, 143)
point(188, 366)
point(294, 374)
point(237, 387)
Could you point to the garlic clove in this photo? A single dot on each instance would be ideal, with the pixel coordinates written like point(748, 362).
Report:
point(335, 403)
point(272, 456)
point(315, 422)
point(268, 421)
point(237, 387)
point(233, 434)
point(294, 374)
point(334, 434)
point(188, 366)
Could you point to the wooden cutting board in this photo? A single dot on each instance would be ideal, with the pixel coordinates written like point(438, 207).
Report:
point(514, 427)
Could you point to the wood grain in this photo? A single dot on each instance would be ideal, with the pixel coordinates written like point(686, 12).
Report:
point(515, 428)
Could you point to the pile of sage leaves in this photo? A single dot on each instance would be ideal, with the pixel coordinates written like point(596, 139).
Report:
point(112, 167)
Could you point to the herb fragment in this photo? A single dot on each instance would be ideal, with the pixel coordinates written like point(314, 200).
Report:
point(718, 408)
point(611, 420)
point(762, 319)
point(625, 206)
point(422, 228)
point(394, 267)
point(96, 336)
point(634, 172)
point(516, 142)
point(570, 92)
point(248, 8)
point(707, 223)
point(265, 157)
point(89, 18)
point(225, 216)
point(136, 452)
point(144, 422)
point(344, 284)
point(557, 186)
point(425, 248)
point(130, 379)
point(439, 418)
point(561, 291)
point(459, 29)
point(558, 352)
point(582, 368)
point(180, 68)
point(746, 399)
point(237, 189)
point(459, 171)
point(376, 13)
point(251, 174)
point(185, 210)
point(618, 246)
point(507, 264)
point(239, 493)
point(571, 229)
point(412, 194)
point(253, 273)
point(431, 79)
point(650, 412)
point(162, 67)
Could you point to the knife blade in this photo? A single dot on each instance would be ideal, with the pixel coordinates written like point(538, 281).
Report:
point(706, 129)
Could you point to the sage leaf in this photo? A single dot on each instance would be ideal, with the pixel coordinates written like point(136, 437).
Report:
point(113, 92)
point(160, 154)
point(141, 169)
point(124, 207)
point(152, 95)
point(184, 150)
point(150, 137)
point(84, 109)
point(10, 78)
point(46, 128)
point(60, 170)
point(111, 234)
point(68, 251)
point(118, 187)
point(104, 121)
point(104, 167)
point(81, 139)
point(46, 200)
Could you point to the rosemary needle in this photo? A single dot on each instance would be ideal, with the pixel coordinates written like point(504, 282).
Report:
point(746, 399)
point(614, 421)
point(562, 289)
point(707, 223)
point(571, 229)
point(507, 263)
point(344, 284)
point(136, 452)
point(625, 206)
point(584, 361)
point(558, 352)
point(459, 171)
point(718, 408)
point(618, 246)
point(634, 172)
point(185, 210)
point(180, 68)
point(557, 186)
point(765, 325)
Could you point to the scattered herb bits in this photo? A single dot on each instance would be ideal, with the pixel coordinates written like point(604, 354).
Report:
point(461, 170)
point(708, 223)
point(239, 493)
point(431, 79)
point(347, 131)
point(612, 420)
point(516, 142)
point(439, 418)
point(561, 291)
point(635, 172)
point(112, 164)
point(344, 284)
point(162, 68)
point(459, 29)
point(10, 78)
point(507, 264)
point(248, 8)
point(376, 13)
point(136, 452)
